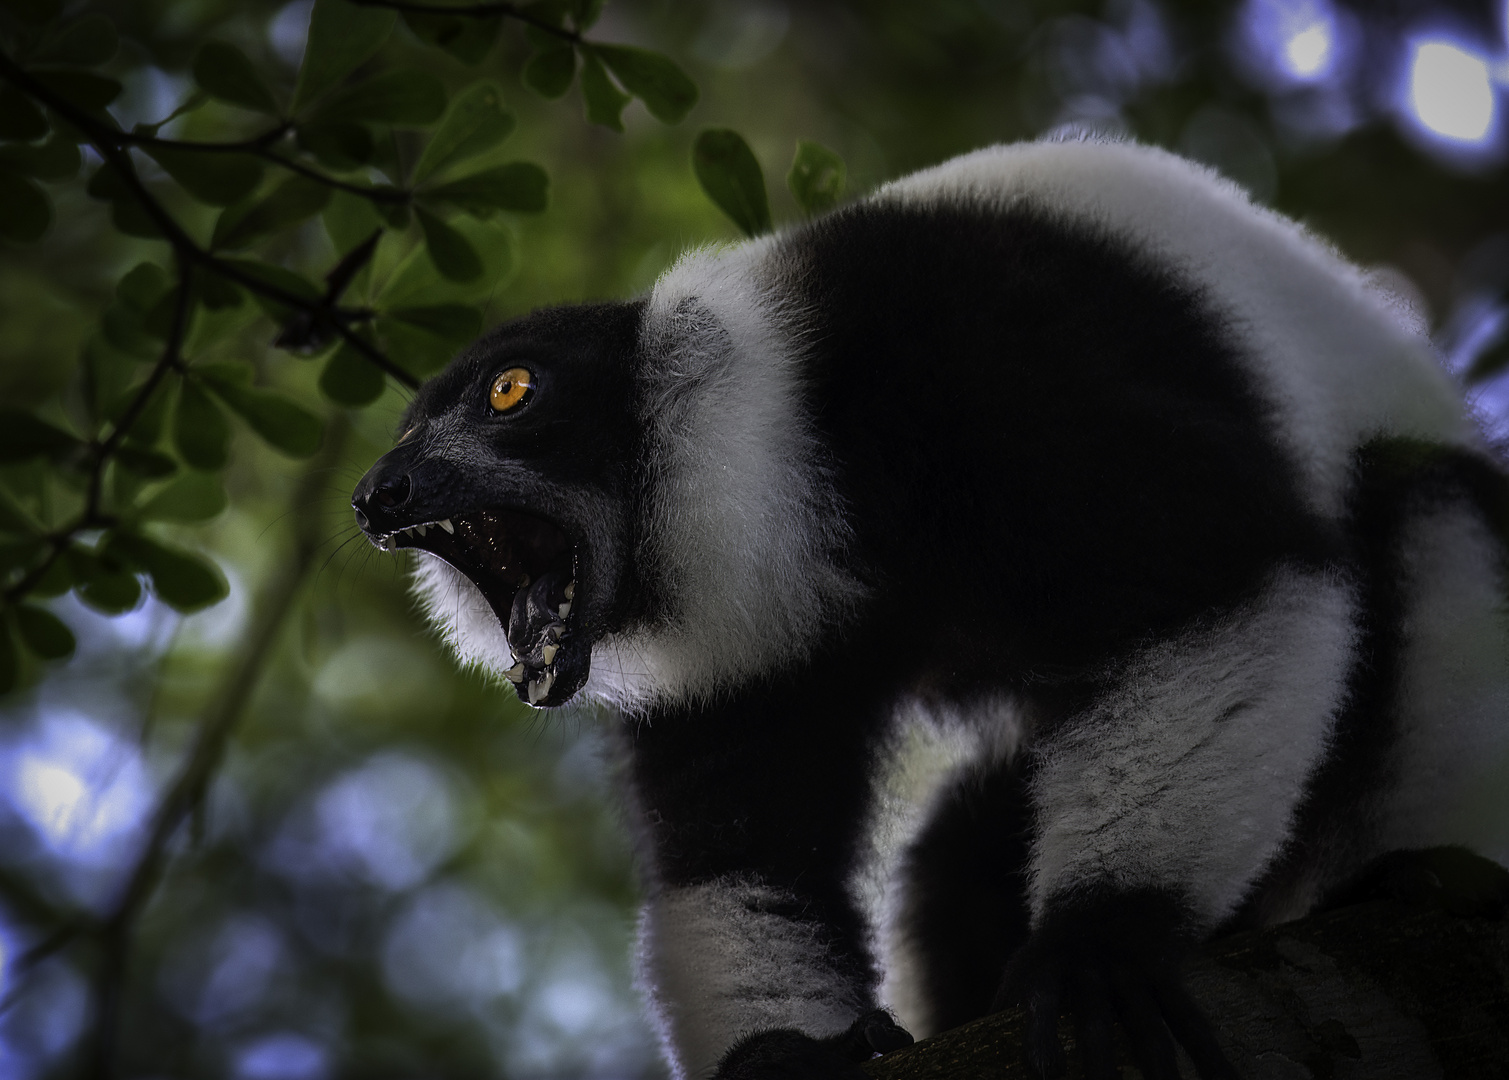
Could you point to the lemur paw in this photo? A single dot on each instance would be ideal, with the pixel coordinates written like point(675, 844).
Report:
point(1115, 962)
point(785, 1054)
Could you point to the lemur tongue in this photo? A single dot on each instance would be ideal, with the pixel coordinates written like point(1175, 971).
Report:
point(536, 609)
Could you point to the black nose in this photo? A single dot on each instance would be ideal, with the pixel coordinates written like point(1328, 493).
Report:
point(380, 491)
point(392, 491)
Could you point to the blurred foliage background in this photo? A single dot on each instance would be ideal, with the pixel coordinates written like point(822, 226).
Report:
point(277, 834)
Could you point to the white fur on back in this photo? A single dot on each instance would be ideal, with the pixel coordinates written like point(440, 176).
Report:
point(1337, 363)
point(1185, 778)
point(743, 520)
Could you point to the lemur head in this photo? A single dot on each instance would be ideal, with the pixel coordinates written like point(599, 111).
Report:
point(516, 474)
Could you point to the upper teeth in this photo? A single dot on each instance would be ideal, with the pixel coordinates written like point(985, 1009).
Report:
point(445, 523)
point(571, 590)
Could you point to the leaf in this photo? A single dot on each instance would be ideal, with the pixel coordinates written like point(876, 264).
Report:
point(44, 633)
point(729, 174)
point(193, 497)
point(452, 255)
point(418, 351)
point(201, 432)
point(290, 202)
point(24, 436)
point(406, 97)
point(469, 39)
point(349, 220)
point(459, 323)
point(227, 75)
point(520, 186)
point(585, 12)
point(143, 286)
point(341, 37)
point(338, 144)
point(295, 285)
point(82, 88)
point(349, 378)
point(20, 118)
point(217, 293)
point(654, 79)
point(10, 666)
point(112, 591)
point(148, 464)
point(550, 71)
point(415, 282)
point(13, 519)
point(476, 122)
point(213, 178)
point(25, 209)
point(88, 41)
point(275, 416)
point(126, 212)
point(184, 581)
point(124, 329)
point(816, 178)
point(56, 580)
point(605, 102)
point(56, 159)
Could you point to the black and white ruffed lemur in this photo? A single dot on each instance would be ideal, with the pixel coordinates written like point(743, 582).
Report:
point(999, 584)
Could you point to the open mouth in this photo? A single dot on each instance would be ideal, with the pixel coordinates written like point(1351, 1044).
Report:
point(526, 568)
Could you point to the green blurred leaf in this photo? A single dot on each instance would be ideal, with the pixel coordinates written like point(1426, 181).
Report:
point(124, 329)
point(201, 432)
point(56, 580)
point(217, 293)
point(143, 286)
point(275, 416)
point(16, 554)
point(729, 174)
point(13, 519)
point(217, 179)
point(226, 74)
point(88, 41)
point(584, 13)
point(467, 38)
point(341, 37)
point(415, 282)
point(339, 144)
point(19, 118)
point(10, 666)
point(654, 79)
point(126, 212)
point(56, 159)
point(476, 122)
point(184, 581)
point(406, 97)
point(193, 497)
point(418, 351)
point(349, 220)
point(549, 72)
point(520, 186)
point(290, 202)
point(280, 278)
point(147, 430)
point(458, 323)
point(82, 88)
point(108, 590)
point(816, 178)
point(148, 464)
point(24, 435)
point(44, 633)
point(604, 101)
point(25, 210)
point(349, 378)
point(452, 255)
point(33, 12)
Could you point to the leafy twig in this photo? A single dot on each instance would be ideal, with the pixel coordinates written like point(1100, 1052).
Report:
point(477, 11)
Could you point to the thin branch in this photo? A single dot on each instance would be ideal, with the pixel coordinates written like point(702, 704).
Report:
point(477, 11)
point(188, 788)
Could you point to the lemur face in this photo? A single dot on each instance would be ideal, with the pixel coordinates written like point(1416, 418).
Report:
point(515, 467)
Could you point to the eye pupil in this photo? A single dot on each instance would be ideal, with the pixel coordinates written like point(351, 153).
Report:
point(511, 389)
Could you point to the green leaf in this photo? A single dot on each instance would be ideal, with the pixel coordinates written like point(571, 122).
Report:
point(520, 186)
point(224, 72)
point(816, 178)
point(194, 497)
point(452, 255)
point(418, 351)
point(654, 79)
point(729, 174)
point(44, 633)
point(24, 436)
point(406, 97)
point(124, 329)
point(56, 580)
point(184, 581)
point(16, 554)
point(20, 119)
point(13, 519)
point(476, 122)
point(88, 41)
point(10, 666)
point(126, 212)
point(341, 37)
point(82, 88)
point(107, 589)
point(25, 210)
point(143, 286)
point(349, 378)
point(338, 144)
point(218, 294)
point(279, 278)
point(217, 179)
point(349, 220)
point(56, 159)
point(291, 201)
point(585, 12)
point(550, 71)
point(148, 464)
point(469, 38)
point(201, 432)
point(275, 416)
point(459, 323)
point(415, 282)
point(604, 101)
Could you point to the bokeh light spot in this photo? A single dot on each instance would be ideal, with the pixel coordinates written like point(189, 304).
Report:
point(1450, 91)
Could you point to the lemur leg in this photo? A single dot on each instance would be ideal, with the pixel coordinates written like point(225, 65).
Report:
point(1158, 805)
point(751, 813)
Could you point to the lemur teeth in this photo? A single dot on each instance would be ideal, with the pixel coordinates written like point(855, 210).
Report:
point(546, 683)
point(549, 651)
point(555, 630)
point(515, 673)
point(408, 532)
point(564, 609)
point(447, 526)
point(571, 590)
point(421, 529)
point(537, 690)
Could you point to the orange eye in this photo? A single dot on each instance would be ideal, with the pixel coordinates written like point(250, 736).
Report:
point(510, 389)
